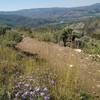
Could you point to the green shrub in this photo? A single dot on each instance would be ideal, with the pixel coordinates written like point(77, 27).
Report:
point(85, 96)
point(13, 36)
point(10, 38)
point(4, 94)
point(92, 46)
point(2, 31)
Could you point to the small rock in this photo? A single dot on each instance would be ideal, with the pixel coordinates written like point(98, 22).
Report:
point(78, 50)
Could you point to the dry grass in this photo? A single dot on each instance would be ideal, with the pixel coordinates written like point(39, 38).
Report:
point(75, 70)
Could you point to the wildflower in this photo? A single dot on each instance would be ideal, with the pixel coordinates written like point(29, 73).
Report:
point(26, 85)
point(31, 98)
point(23, 96)
point(17, 94)
point(45, 89)
point(32, 92)
point(46, 98)
point(52, 82)
point(19, 83)
point(70, 65)
point(42, 94)
point(37, 89)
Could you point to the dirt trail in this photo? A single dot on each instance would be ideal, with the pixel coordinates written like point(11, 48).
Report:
point(88, 70)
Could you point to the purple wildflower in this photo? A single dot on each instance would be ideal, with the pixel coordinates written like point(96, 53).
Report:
point(52, 82)
point(46, 98)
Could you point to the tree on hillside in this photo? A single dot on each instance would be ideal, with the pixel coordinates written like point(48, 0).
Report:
point(66, 36)
point(3, 30)
point(72, 39)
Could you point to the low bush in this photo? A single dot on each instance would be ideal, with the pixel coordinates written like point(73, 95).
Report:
point(10, 38)
point(92, 46)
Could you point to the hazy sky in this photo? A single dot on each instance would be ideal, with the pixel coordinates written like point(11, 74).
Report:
point(9, 5)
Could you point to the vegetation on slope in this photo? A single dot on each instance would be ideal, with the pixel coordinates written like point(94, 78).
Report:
point(18, 68)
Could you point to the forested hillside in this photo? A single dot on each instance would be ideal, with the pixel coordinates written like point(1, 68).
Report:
point(49, 15)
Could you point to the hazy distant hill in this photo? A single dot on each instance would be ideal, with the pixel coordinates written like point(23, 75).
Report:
point(16, 20)
point(48, 15)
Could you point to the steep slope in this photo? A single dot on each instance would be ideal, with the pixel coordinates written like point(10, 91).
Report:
point(87, 71)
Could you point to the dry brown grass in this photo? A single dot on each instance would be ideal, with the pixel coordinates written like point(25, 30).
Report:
point(73, 68)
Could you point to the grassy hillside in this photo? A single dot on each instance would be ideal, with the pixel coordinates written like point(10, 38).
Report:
point(35, 65)
point(41, 74)
point(86, 30)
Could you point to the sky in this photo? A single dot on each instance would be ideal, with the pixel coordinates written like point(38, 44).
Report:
point(12, 5)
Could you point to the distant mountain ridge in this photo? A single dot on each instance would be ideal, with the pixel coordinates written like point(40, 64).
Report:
point(56, 14)
point(16, 20)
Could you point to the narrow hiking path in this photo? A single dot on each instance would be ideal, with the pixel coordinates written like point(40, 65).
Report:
point(87, 70)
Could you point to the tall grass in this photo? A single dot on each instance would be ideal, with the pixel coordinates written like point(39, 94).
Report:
point(62, 81)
